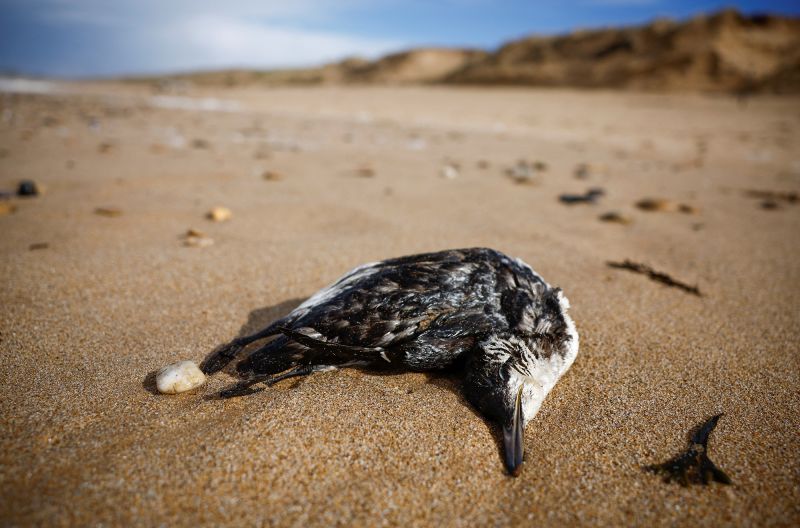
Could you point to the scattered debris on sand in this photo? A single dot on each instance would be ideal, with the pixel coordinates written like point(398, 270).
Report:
point(219, 214)
point(663, 205)
point(196, 238)
point(365, 171)
point(693, 466)
point(179, 377)
point(772, 200)
point(7, 208)
point(655, 204)
point(28, 188)
point(269, 175)
point(589, 197)
point(109, 212)
point(657, 276)
point(584, 171)
point(788, 196)
point(615, 217)
point(38, 245)
point(449, 171)
point(525, 172)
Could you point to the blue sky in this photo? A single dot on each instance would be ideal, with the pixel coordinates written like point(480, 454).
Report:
point(75, 38)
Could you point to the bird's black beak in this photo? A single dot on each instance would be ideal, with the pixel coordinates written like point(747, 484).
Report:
point(513, 439)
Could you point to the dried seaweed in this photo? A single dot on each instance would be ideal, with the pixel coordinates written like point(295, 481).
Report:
point(110, 212)
point(657, 276)
point(773, 196)
point(693, 466)
point(590, 196)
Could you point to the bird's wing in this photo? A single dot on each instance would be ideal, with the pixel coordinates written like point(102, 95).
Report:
point(380, 306)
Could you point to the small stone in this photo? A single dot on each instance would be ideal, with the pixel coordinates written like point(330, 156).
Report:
point(365, 171)
point(616, 218)
point(196, 238)
point(38, 245)
point(110, 212)
point(7, 208)
point(219, 214)
point(589, 197)
point(271, 176)
point(198, 242)
point(662, 205)
point(105, 147)
point(28, 188)
point(449, 172)
point(201, 144)
point(521, 173)
point(656, 204)
point(179, 377)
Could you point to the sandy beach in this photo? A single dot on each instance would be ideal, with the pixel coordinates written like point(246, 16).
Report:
point(355, 174)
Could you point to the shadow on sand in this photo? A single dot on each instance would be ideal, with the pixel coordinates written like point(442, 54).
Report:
point(257, 320)
point(261, 317)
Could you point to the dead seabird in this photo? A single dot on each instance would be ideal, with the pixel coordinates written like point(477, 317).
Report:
point(476, 310)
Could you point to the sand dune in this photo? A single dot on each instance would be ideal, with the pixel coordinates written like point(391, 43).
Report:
point(721, 52)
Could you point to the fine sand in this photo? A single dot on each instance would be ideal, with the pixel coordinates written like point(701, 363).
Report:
point(357, 176)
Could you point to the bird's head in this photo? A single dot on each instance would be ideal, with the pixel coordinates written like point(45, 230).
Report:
point(510, 374)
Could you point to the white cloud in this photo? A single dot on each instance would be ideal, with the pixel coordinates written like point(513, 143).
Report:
point(215, 41)
point(149, 36)
point(124, 12)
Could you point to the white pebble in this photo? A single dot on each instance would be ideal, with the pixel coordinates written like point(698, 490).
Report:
point(219, 214)
point(449, 172)
point(179, 377)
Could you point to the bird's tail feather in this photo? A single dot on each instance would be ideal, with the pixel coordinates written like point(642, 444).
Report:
point(276, 356)
point(221, 357)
